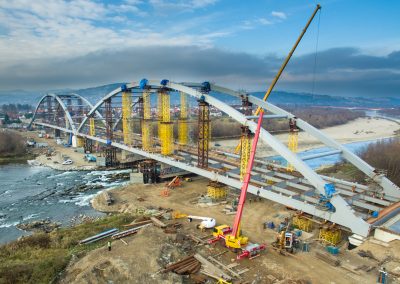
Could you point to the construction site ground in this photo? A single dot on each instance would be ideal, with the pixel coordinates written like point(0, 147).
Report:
point(145, 254)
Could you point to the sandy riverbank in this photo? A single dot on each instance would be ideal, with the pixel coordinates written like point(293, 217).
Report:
point(55, 160)
point(361, 129)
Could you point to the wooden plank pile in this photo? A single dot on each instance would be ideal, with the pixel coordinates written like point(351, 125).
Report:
point(211, 270)
point(158, 223)
point(330, 259)
point(188, 265)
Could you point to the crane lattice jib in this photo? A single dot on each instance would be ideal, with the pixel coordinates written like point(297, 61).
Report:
point(126, 117)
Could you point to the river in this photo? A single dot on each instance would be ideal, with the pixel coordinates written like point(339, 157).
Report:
point(30, 193)
point(316, 163)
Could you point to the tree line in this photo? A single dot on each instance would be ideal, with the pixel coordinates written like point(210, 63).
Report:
point(11, 144)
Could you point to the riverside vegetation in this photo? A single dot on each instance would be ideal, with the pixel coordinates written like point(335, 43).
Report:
point(42, 257)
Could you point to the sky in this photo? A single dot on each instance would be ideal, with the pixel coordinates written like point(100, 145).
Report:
point(352, 48)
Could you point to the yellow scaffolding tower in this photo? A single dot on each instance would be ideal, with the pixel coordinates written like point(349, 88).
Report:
point(330, 235)
point(303, 223)
point(165, 125)
point(126, 117)
point(292, 145)
point(217, 191)
point(182, 122)
point(92, 128)
point(147, 143)
point(245, 145)
point(79, 141)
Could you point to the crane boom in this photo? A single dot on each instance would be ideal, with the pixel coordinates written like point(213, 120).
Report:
point(278, 75)
point(246, 181)
point(271, 87)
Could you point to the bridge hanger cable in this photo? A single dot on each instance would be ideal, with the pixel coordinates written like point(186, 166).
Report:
point(316, 55)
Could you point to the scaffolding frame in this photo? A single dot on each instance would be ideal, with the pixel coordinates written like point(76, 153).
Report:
point(293, 140)
point(204, 134)
point(303, 223)
point(183, 120)
point(147, 127)
point(330, 235)
point(165, 124)
point(217, 191)
point(245, 146)
point(110, 152)
point(127, 117)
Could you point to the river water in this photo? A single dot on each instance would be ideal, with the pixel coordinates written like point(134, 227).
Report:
point(316, 163)
point(30, 193)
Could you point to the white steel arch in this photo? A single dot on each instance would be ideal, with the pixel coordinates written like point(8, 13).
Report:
point(63, 106)
point(343, 215)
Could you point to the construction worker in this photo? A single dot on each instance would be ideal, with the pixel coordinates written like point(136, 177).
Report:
point(383, 276)
point(109, 245)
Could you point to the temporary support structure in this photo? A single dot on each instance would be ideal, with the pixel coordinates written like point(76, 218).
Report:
point(166, 127)
point(79, 141)
point(149, 170)
point(183, 121)
point(245, 145)
point(126, 117)
point(109, 151)
point(331, 235)
point(302, 223)
point(217, 191)
point(293, 140)
point(247, 109)
point(204, 134)
point(147, 144)
point(92, 128)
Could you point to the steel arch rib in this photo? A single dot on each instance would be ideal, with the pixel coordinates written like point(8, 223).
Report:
point(60, 101)
point(91, 106)
point(344, 214)
point(389, 187)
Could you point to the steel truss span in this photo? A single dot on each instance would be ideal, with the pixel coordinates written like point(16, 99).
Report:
point(302, 191)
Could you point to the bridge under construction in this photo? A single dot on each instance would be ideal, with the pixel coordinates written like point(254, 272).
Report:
point(169, 124)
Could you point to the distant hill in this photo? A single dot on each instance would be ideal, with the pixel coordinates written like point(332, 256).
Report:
point(278, 97)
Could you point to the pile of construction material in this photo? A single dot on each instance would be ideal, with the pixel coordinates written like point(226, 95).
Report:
point(188, 265)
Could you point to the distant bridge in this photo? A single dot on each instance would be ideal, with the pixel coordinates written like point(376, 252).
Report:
point(130, 106)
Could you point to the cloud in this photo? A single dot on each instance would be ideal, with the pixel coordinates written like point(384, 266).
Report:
point(181, 4)
point(340, 71)
point(280, 15)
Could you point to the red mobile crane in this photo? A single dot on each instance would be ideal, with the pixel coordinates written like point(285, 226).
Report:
point(232, 236)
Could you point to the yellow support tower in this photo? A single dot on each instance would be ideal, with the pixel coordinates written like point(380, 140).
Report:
point(330, 235)
point(245, 145)
point(166, 127)
point(92, 128)
point(217, 191)
point(126, 117)
point(147, 143)
point(79, 141)
point(303, 223)
point(293, 140)
point(182, 122)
